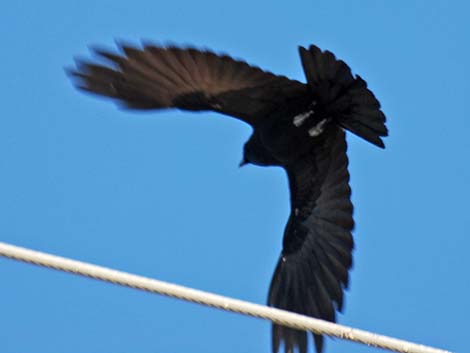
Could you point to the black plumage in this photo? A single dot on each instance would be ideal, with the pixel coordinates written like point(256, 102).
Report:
point(296, 126)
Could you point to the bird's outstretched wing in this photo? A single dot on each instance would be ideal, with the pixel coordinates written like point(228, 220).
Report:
point(312, 271)
point(156, 77)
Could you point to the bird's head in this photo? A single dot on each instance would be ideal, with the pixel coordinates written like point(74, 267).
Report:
point(254, 152)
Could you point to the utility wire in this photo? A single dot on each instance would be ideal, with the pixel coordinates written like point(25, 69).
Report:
point(277, 316)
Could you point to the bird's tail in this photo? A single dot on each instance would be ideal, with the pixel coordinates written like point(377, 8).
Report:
point(345, 98)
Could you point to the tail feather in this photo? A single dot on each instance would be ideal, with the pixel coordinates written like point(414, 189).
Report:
point(345, 98)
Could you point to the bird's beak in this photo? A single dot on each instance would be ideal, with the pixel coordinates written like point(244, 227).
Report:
point(242, 163)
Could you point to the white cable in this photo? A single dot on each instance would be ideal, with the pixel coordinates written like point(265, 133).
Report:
point(280, 317)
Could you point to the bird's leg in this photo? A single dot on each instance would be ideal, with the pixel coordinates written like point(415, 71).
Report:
point(319, 127)
point(316, 126)
point(300, 119)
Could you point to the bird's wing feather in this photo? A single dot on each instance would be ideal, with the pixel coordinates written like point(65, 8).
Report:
point(312, 271)
point(155, 77)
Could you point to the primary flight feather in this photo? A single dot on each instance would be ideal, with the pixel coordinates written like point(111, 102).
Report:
point(298, 126)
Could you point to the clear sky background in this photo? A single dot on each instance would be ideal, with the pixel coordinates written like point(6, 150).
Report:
point(161, 194)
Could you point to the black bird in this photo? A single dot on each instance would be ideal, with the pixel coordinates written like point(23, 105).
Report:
point(296, 126)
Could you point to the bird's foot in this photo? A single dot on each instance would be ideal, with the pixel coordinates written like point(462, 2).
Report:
point(313, 128)
point(300, 119)
point(318, 128)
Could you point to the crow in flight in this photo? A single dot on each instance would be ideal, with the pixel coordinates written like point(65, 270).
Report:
point(297, 126)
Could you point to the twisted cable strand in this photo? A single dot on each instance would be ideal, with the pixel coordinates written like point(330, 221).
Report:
point(277, 316)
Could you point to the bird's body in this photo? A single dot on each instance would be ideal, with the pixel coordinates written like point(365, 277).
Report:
point(296, 126)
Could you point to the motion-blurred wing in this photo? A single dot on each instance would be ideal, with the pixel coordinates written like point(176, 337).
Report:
point(313, 268)
point(169, 77)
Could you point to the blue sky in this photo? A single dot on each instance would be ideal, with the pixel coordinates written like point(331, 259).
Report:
point(161, 194)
